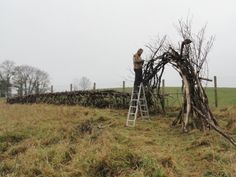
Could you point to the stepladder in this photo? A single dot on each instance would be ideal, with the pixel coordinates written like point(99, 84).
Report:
point(138, 106)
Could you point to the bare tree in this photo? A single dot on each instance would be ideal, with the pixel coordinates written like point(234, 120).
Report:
point(42, 81)
point(76, 84)
point(85, 83)
point(200, 47)
point(29, 80)
point(6, 73)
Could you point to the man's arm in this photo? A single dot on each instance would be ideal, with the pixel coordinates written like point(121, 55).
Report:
point(138, 62)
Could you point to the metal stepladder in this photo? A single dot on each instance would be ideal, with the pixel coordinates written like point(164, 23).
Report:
point(138, 103)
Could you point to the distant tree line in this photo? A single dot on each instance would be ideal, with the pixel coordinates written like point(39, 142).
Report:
point(24, 79)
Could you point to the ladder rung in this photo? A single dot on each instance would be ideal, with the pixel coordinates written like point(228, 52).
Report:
point(131, 113)
point(138, 103)
point(133, 106)
point(131, 120)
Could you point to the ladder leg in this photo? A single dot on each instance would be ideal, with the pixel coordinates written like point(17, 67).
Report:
point(138, 103)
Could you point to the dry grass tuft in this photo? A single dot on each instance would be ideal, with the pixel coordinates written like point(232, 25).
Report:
point(167, 162)
point(85, 127)
point(231, 125)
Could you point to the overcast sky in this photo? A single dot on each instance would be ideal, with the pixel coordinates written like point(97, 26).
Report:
point(97, 38)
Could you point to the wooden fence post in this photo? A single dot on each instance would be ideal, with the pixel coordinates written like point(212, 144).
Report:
point(71, 87)
point(51, 88)
point(123, 86)
point(123, 90)
point(94, 86)
point(21, 90)
point(215, 88)
point(163, 92)
point(37, 88)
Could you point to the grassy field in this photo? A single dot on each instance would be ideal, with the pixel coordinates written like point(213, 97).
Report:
point(226, 96)
point(73, 141)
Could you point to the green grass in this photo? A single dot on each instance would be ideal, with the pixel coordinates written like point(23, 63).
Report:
point(226, 96)
point(69, 141)
point(2, 99)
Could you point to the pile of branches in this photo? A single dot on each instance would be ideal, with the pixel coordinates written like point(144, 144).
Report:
point(99, 98)
point(188, 60)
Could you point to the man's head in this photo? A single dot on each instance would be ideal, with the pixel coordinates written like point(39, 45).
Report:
point(139, 52)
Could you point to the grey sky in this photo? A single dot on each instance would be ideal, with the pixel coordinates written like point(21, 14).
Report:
point(97, 38)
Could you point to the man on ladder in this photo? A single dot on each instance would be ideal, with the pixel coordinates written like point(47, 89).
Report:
point(138, 100)
point(138, 64)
